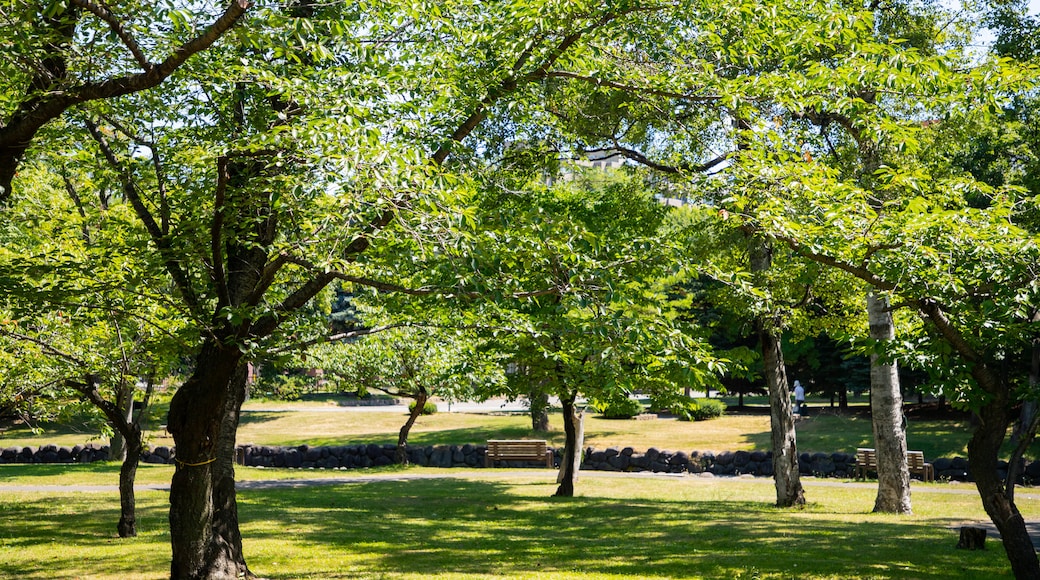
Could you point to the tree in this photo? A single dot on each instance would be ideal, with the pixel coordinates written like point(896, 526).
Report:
point(915, 234)
point(72, 316)
point(415, 363)
point(596, 322)
point(312, 124)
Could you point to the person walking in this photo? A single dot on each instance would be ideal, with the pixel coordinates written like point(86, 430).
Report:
point(799, 397)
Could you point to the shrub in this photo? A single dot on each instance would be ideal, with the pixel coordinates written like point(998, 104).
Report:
point(429, 408)
point(699, 409)
point(619, 408)
point(280, 387)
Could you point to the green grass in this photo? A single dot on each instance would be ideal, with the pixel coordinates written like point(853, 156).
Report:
point(819, 432)
point(509, 528)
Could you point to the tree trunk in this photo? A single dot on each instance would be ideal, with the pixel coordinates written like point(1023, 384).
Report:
point(1025, 430)
point(118, 445)
point(886, 411)
point(127, 526)
point(786, 478)
point(983, 449)
point(401, 453)
point(539, 400)
point(227, 537)
point(574, 430)
point(196, 421)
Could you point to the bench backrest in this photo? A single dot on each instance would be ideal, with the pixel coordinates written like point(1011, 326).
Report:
point(517, 446)
point(866, 457)
point(915, 460)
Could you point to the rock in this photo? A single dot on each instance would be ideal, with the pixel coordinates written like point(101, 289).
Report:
point(619, 462)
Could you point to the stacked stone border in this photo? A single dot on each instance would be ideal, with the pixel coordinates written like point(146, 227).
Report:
point(756, 463)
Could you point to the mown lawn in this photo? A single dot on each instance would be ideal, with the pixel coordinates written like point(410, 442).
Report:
point(314, 424)
point(507, 526)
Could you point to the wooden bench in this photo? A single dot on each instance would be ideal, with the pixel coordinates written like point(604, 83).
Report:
point(915, 462)
point(866, 461)
point(517, 450)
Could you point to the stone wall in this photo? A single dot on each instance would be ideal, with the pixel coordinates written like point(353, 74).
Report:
point(756, 463)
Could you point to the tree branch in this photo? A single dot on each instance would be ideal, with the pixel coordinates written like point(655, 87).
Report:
point(600, 82)
point(216, 227)
point(162, 242)
point(53, 99)
point(118, 29)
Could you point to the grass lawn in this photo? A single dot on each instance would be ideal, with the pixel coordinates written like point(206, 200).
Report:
point(305, 424)
point(507, 526)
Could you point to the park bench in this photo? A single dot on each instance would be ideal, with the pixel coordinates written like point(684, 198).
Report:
point(866, 461)
point(517, 450)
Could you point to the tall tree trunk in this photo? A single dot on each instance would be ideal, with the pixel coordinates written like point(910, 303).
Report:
point(983, 449)
point(574, 430)
point(196, 421)
point(227, 537)
point(401, 453)
point(789, 491)
point(127, 526)
point(118, 445)
point(886, 412)
point(1025, 429)
point(539, 400)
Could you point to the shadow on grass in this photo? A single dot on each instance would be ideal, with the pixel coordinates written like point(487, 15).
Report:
point(431, 527)
point(74, 536)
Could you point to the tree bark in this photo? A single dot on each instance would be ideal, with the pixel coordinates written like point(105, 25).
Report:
point(127, 526)
point(118, 446)
point(1025, 429)
point(789, 491)
point(539, 400)
point(786, 478)
point(196, 421)
point(227, 536)
point(574, 430)
point(983, 449)
point(401, 453)
point(886, 411)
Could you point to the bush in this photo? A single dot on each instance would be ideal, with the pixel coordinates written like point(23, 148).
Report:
point(619, 408)
point(699, 409)
point(279, 387)
point(429, 408)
